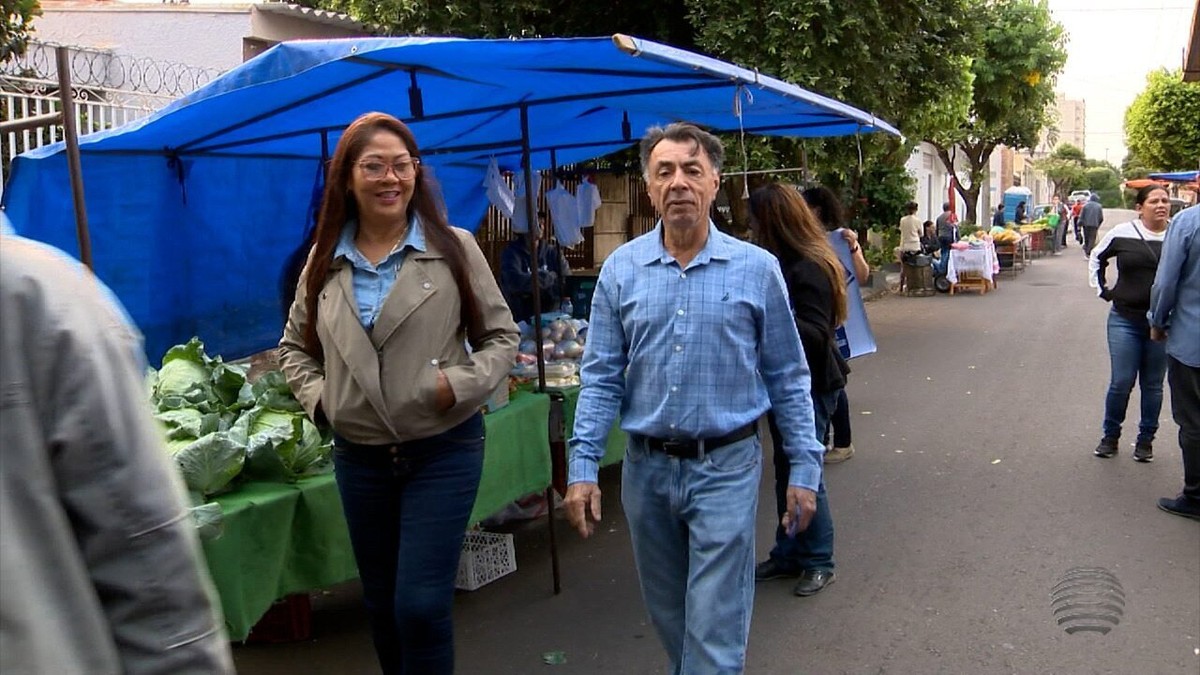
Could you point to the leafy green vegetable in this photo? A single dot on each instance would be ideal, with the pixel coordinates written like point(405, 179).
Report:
point(209, 520)
point(211, 462)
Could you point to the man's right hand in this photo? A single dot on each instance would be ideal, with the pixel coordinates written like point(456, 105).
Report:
point(583, 507)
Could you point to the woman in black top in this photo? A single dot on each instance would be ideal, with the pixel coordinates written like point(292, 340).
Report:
point(784, 225)
point(1134, 357)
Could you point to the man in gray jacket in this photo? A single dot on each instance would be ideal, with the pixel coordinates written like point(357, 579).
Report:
point(100, 568)
point(1090, 218)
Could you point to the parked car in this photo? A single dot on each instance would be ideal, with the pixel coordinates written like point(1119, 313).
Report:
point(1040, 210)
point(1079, 196)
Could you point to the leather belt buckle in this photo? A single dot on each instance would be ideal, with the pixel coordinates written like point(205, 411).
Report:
point(680, 448)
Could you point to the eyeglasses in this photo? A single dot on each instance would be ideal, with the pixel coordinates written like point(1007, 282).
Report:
point(374, 169)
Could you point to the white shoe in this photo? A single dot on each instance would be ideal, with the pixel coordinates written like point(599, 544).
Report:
point(838, 455)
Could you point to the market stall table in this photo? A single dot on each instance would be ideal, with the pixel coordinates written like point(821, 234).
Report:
point(284, 538)
point(975, 267)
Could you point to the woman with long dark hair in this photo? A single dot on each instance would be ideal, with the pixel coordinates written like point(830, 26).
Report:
point(1136, 247)
point(374, 345)
point(828, 209)
point(783, 224)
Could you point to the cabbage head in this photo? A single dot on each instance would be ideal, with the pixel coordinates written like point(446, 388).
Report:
point(210, 463)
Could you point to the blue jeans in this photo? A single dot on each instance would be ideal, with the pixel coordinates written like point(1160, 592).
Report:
point(811, 549)
point(839, 422)
point(1135, 359)
point(407, 513)
point(692, 526)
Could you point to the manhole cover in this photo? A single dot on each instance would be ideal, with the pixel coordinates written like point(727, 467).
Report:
point(1088, 600)
point(1044, 283)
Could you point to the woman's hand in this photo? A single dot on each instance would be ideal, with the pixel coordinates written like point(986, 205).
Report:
point(444, 397)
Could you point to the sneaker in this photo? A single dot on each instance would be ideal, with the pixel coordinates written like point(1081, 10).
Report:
point(1143, 452)
point(770, 569)
point(1107, 448)
point(813, 582)
point(838, 455)
point(1180, 506)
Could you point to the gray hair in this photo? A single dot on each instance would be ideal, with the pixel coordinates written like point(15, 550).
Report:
point(680, 132)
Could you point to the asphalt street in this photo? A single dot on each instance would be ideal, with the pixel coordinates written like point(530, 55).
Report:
point(972, 494)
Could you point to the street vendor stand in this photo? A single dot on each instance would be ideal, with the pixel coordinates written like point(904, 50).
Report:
point(226, 176)
point(973, 268)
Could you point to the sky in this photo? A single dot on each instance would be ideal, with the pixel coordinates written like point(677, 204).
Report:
point(1113, 45)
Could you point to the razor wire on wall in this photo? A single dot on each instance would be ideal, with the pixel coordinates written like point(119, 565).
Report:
point(109, 90)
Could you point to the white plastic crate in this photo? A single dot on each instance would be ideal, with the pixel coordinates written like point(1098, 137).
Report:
point(486, 556)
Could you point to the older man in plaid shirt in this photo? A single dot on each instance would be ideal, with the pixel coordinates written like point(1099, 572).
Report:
point(691, 340)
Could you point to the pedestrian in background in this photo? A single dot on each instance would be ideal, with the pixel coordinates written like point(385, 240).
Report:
point(828, 209)
point(1064, 219)
point(783, 224)
point(947, 233)
point(910, 229)
point(691, 340)
point(1175, 318)
point(1091, 216)
point(1136, 247)
point(100, 567)
point(374, 345)
point(998, 216)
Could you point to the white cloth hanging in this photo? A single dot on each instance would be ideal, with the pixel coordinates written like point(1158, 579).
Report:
point(587, 198)
point(520, 224)
point(499, 194)
point(564, 212)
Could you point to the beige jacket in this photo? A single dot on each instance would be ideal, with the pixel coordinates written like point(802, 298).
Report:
point(100, 569)
point(379, 388)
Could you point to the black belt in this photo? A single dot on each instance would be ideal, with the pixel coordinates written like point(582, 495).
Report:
point(691, 448)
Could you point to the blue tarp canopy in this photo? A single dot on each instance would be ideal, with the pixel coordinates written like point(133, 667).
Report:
point(1177, 176)
point(193, 209)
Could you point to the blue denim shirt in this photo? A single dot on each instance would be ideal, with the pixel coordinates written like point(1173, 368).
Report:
point(372, 283)
point(1175, 296)
point(693, 353)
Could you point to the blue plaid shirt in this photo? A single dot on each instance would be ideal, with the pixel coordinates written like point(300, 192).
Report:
point(372, 283)
point(693, 353)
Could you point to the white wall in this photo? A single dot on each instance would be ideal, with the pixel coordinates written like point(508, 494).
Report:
point(209, 37)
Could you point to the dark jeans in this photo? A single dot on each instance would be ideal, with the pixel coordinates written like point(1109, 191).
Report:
point(407, 508)
point(1135, 359)
point(944, 262)
point(839, 423)
point(1185, 407)
point(811, 549)
point(1089, 239)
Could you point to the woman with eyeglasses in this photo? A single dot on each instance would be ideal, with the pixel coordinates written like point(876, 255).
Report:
point(374, 347)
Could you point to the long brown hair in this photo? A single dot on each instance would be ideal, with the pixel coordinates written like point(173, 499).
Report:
point(337, 208)
point(787, 227)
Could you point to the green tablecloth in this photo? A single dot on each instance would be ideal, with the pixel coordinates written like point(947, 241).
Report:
point(516, 457)
point(614, 449)
point(278, 539)
point(283, 538)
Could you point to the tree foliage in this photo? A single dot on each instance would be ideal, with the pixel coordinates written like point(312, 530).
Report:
point(16, 26)
point(1065, 169)
point(1162, 125)
point(1020, 50)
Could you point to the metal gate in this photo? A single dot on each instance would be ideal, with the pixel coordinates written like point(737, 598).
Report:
point(109, 90)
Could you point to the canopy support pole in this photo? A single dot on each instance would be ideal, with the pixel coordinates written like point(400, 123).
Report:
point(74, 166)
point(535, 235)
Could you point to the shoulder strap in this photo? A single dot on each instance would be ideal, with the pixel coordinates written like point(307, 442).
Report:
point(1144, 242)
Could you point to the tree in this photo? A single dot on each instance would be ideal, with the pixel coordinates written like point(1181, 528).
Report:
point(1064, 167)
point(903, 60)
point(16, 25)
point(1161, 126)
point(1019, 52)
